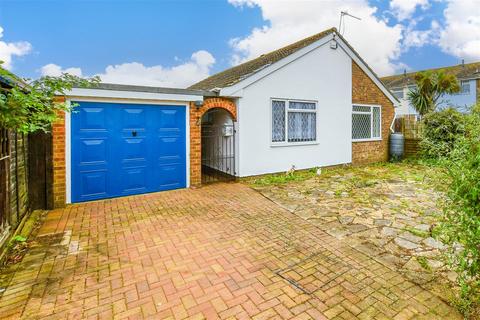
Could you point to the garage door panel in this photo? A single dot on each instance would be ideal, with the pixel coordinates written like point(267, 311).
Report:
point(134, 149)
point(134, 180)
point(120, 149)
point(92, 118)
point(170, 175)
point(94, 151)
point(133, 118)
point(93, 184)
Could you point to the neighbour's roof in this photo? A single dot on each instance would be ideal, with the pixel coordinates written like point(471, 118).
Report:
point(123, 87)
point(461, 71)
point(236, 74)
point(9, 80)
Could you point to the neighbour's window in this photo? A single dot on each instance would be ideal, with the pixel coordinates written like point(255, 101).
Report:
point(294, 121)
point(366, 122)
point(398, 94)
point(464, 87)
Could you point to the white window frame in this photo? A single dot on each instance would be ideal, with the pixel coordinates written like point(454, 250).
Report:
point(371, 121)
point(287, 110)
point(461, 93)
point(401, 91)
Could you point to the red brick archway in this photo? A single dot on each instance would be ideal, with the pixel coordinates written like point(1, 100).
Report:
point(195, 132)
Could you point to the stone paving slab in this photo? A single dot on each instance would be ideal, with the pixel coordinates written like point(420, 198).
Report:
point(220, 251)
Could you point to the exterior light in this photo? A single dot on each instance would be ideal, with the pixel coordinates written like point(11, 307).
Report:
point(198, 104)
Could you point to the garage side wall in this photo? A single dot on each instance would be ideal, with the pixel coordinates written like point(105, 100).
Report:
point(365, 91)
point(59, 165)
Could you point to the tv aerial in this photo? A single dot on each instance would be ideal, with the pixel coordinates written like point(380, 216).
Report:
point(342, 23)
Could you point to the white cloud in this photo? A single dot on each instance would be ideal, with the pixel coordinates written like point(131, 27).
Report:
point(10, 49)
point(461, 35)
point(404, 9)
point(181, 75)
point(419, 38)
point(288, 21)
point(54, 70)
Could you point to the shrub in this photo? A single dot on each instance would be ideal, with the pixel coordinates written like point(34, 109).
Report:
point(440, 131)
point(461, 223)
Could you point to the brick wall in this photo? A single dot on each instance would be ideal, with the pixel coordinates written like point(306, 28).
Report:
point(59, 169)
point(365, 91)
point(195, 133)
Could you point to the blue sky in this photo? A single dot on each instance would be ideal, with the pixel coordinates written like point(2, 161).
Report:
point(175, 43)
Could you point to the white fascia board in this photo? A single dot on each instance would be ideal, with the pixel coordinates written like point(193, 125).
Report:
point(114, 94)
point(235, 90)
point(367, 70)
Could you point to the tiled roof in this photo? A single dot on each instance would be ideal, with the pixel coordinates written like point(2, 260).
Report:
point(462, 71)
point(236, 74)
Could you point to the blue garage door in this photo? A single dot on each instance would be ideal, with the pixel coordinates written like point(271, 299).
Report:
point(125, 149)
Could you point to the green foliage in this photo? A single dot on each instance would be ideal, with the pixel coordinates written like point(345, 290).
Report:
point(281, 178)
point(31, 107)
point(431, 86)
point(19, 238)
point(440, 131)
point(461, 224)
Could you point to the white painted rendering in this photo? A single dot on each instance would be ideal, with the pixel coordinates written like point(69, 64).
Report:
point(322, 75)
point(88, 98)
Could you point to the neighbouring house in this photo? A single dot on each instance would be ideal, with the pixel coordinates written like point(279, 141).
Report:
point(467, 74)
point(311, 104)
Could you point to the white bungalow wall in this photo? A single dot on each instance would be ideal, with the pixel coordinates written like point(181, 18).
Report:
point(323, 75)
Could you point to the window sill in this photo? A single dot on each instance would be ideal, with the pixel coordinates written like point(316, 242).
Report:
point(292, 144)
point(367, 140)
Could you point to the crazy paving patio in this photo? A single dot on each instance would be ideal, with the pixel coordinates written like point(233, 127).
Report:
point(220, 251)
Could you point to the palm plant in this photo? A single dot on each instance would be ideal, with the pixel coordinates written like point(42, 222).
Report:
point(430, 88)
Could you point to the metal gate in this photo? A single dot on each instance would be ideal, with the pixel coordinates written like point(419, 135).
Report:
point(4, 171)
point(218, 153)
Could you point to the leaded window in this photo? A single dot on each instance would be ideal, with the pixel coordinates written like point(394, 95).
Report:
point(294, 121)
point(366, 122)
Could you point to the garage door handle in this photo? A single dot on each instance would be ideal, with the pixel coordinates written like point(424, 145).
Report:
point(134, 133)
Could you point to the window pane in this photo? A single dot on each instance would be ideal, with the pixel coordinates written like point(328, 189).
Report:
point(278, 121)
point(376, 122)
point(361, 126)
point(398, 94)
point(361, 109)
point(464, 87)
point(301, 105)
point(302, 126)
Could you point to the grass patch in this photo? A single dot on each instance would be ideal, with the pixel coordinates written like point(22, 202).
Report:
point(422, 261)
point(418, 233)
point(282, 178)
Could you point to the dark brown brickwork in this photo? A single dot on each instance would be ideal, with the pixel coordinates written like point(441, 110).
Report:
point(365, 91)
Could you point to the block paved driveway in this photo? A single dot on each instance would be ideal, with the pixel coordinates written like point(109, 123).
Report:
point(220, 251)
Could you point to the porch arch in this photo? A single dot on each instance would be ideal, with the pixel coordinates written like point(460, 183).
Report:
point(196, 114)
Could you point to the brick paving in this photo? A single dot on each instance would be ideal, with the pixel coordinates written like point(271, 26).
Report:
point(220, 251)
